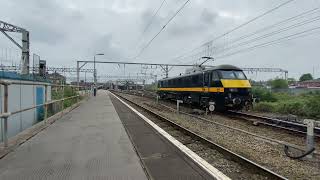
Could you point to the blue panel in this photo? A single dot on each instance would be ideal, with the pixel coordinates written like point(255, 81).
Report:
point(40, 100)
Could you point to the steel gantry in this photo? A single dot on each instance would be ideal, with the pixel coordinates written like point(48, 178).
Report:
point(6, 27)
point(48, 69)
point(167, 67)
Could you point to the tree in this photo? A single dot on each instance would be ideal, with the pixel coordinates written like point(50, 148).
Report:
point(279, 84)
point(291, 80)
point(306, 77)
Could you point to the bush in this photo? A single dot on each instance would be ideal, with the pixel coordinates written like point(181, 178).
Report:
point(313, 107)
point(279, 84)
point(291, 107)
point(263, 94)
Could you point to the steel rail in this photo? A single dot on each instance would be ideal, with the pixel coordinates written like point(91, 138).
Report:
point(278, 123)
point(238, 158)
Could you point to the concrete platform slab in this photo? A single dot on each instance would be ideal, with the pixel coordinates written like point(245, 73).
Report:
point(161, 158)
point(88, 143)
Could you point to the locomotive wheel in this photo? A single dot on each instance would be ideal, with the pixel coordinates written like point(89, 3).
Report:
point(212, 107)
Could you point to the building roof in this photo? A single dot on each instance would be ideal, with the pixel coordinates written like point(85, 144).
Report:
point(16, 76)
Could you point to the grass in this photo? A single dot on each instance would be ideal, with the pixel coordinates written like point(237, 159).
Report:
point(304, 105)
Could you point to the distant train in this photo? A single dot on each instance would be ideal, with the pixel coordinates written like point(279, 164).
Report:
point(223, 87)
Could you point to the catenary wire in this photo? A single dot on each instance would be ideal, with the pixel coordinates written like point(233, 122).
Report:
point(175, 14)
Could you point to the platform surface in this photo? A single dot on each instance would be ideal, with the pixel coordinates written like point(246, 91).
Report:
point(88, 143)
point(162, 160)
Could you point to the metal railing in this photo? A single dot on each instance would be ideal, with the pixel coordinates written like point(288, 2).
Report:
point(6, 114)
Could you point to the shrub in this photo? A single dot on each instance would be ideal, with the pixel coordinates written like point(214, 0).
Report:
point(263, 94)
point(313, 107)
point(291, 107)
point(279, 84)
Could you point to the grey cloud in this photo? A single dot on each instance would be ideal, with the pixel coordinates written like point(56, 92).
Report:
point(104, 44)
point(194, 24)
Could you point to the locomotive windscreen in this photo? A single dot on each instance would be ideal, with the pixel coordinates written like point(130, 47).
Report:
point(232, 74)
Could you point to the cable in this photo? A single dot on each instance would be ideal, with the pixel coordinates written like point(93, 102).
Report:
point(286, 151)
point(150, 22)
point(252, 20)
point(301, 15)
point(271, 42)
point(301, 23)
point(317, 18)
point(154, 15)
point(246, 23)
point(176, 13)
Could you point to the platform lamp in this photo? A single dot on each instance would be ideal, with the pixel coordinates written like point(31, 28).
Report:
point(95, 72)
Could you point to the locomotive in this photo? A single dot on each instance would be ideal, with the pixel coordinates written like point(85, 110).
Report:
point(220, 88)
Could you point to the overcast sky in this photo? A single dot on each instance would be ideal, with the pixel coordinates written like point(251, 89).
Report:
point(63, 31)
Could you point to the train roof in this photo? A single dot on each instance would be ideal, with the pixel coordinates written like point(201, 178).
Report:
point(225, 67)
point(220, 67)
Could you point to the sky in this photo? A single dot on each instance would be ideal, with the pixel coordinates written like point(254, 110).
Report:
point(64, 31)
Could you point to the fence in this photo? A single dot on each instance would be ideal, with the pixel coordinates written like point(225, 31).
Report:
point(77, 92)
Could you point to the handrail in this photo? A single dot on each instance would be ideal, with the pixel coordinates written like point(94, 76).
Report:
point(5, 82)
point(6, 114)
point(44, 104)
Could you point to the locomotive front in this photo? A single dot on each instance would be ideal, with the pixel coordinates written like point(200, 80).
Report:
point(237, 88)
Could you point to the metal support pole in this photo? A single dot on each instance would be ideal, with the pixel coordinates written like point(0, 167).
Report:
point(310, 134)
point(167, 71)
point(78, 74)
point(46, 105)
point(62, 102)
point(94, 70)
point(25, 52)
point(157, 99)
point(5, 119)
point(178, 105)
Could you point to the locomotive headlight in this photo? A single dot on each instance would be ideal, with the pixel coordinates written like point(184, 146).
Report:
point(233, 90)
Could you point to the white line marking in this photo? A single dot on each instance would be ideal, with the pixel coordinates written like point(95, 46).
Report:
point(201, 162)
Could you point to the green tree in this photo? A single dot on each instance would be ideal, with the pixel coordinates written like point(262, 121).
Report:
point(279, 84)
point(291, 81)
point(306, 77)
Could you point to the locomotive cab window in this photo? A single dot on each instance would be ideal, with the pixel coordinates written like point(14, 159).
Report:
point(240, 75)
point(227, 75)
point(215, 76)
point(232, 74)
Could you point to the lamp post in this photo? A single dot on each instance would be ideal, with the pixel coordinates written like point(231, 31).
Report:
point(95, 72)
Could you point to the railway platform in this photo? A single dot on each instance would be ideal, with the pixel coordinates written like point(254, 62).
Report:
point(101, 139)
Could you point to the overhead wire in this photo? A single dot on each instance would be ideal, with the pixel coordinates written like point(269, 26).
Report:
point(245, 23)
point(175, 14)
point(154, 15)
point(301, 15)
point(151, 20)
point(252, 20)
point(269, 34)
point(317, 18)
point(286, 38)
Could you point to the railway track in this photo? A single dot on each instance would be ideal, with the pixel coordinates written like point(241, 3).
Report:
point(277, 123)
point(233, 165)
point(292, 127)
